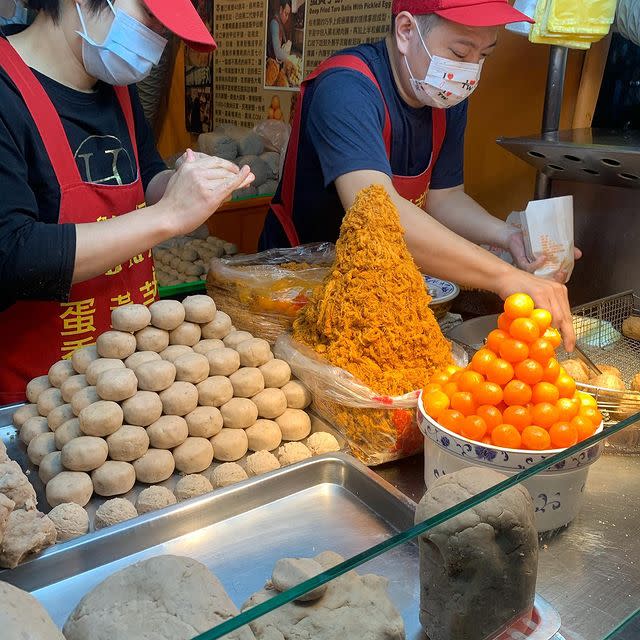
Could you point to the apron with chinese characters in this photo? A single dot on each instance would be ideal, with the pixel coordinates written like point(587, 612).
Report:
point(36, 334)
point(412, 188)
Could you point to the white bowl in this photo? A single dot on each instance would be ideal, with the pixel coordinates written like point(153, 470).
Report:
point(556, 493)
point(441, 291)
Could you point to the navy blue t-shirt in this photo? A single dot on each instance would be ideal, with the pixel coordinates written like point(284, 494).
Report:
point(341, 132)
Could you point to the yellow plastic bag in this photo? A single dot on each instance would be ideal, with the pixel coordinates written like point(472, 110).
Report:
point(583, 17)
point(541, 34)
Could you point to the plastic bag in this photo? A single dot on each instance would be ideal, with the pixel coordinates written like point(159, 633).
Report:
point(275, 135)
point(628, 20)
point(378, 428)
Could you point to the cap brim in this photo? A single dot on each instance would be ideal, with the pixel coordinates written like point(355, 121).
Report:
point(181, 18)
point(487, 14)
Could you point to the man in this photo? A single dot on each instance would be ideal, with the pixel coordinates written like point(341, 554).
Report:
point(279, 46)
point(394, 113)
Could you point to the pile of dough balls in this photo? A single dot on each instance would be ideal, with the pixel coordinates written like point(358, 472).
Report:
point(171, 387)
point(189, 260)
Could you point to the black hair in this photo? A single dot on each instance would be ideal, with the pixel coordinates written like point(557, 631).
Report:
point(284, 3)
point(52, 7)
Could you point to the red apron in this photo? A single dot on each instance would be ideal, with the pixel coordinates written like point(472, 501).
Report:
point(412, 188)
point(36, 334)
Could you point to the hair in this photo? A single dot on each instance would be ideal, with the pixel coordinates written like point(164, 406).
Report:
point(52, 7)
point(284, 3)
point(426, 22)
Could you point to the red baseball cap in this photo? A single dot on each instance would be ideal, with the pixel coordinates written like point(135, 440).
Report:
point(472, 13)
point(181, 18)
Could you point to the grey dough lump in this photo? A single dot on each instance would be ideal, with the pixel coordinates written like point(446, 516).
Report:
point(27, 533)
point(187, 333)
point(112, 512)
point(40, 446)
point(297, 394)
point(21, 415)
point(193, 455)
point(152, 339)
point(72, 385)
point(50, 466)
point(101, 418)
point(235, 338)
point(156, 375)
point(223, 362)
point(271, 403)
point(214, 391)
point(35, 387)
point(192, 367)
point(117, 384)
point(33, 427)
point(168, 432)
point(16, 486)
point(191, 486)
point(128, 443)
point(218, 328)
point(239, 413)
point(179, 399)
point(208, 344)
point(167, 314)
point(59, 416)
point(199, 308)
point(254, 352)
point(247, 382)
point(70, 521)
point(130, 317)
point(82, 358)
point(67, 432)
point(140, 357)
point(154, 498)
point(116, 344)
point(83, 398)
point(156, 465)
point(142, 409)
point(226, 474)
point(60, 371)
point(264, 435)
point(261, 462)
point(84, 454)
point(321, 442)
point(290, 572)
point(295, 424)
point(276, 373)
point(113, 478)
point(99, 366)
point(70, 486)
point(174, 351)
point(204, 422)
point(6, 507)
point(230, 445)
point(292, 452)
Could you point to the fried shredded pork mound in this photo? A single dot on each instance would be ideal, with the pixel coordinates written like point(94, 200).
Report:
point(371, 317)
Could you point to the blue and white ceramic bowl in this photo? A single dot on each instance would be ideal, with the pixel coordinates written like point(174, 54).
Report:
point(441, 290)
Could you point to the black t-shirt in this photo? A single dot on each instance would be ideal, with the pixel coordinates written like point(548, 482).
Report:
point(37, 254)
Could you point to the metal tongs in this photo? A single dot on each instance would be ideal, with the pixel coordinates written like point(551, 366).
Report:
point(587, 360)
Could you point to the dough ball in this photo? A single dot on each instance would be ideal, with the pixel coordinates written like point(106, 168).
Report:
point(193, 455)
point(167, 314)
point(247, 382)
point(271, 403)
point(101, 418)
point(214, 391)
point(36, 387)
point(40, 446)
point(179, 399)
point(154, 498)
point(168, 432)
point(192, 486)
point(219, 328)
point(113, 478)
point(276, 374)
point(27, 533)
point(292, 452)
point(83, 398)
point(200, 309)
point(59, 416)
point(157, 375)
point(100, 366)
point(192, 367)
point(59, 372)
point(70, 520)
point(610, 369)
point(48, 400)
point(223, 362)
point(227, 474)
point(605, 381)
point(128, 443)
point(50, 466)
point(254, 352)
point(290, 572)
point(298, 396)
point(156, 465)
point(16, 486)
point(204, 422)
point(295, 424)
point(131, 318)
point(85, 453)
point(230, 445)
point(204, 346)
point(67, 432)
point(235, 338)
point(631, 327)
point(116, 344)
point(576, 369)
point(187, 333)
point(70, 486)
point(112, 512)
point(117, 384)
point(142, 409)
point(239, 413)
point(27, 411)
point(322, 442)
point(175, 351)
point(264, 435)
point(33, 427)
point(72, 385)
point(82, 358)
point(152, 339)
point(140, 357)
point(261, 462)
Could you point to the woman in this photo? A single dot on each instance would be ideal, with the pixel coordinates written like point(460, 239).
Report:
point(85, 194)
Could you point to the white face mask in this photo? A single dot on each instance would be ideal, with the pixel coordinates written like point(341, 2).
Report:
point(447, 82)
point(127, 54)
point(20, 16)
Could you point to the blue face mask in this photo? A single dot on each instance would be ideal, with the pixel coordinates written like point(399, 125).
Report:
point(20, 16)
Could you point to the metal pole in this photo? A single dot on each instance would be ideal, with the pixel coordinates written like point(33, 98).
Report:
point(552, 107)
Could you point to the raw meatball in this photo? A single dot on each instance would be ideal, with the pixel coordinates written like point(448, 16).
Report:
point(204, 422)
point(152, 339)
point(214, 391)
point(83, 398)
point(264, 435)
point(239, 413)
point(156, 465)
point(192, 367)
point(631, 327)
point(276, 374)
point(174, 351)
point(27, 533)
point(140, 357)
point(70, 521)
point(40, 446)
point(50, 466)
point(155, 376)
point(193, 455)
point(321, 442)
point(100, 366)
point(236, 338)
point(36, 387)
point(117, 384)
point(167, 314)
point(187, 333)
point(48, 400)
point(33, 427)
point(607, 368)
point(200, 309)
point(67, 432)
point(131, 318)
point(191, 486)
point(59, 372)
point(204, 346)
point(605, 381)
point(247, 382)
point(85, 453)
point(179, 399)
point(112, 512)
point(223, 362)
point(116, 344)
point(218, 328)
point(142, 409)
point(261, 462)
point(298, 396)
point(168, 432)
point(292, 452)
point(271, 403)
point(82, 358)
point(59, 416)
point(295, 424)
point(254, 352)
point(15, 485)
point(72, 385)
point(290, 572)
point(576, 369)
point(128, 443)
point(227, 474)
point(154, 498)
point(230, 445)
point(70, 486)
point(101, 418)
point(113, 478)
